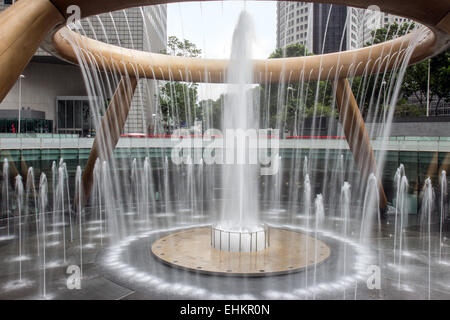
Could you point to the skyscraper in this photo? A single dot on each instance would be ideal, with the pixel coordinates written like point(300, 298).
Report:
point(293, 23)
point(325, 28)
point(143, 29)
point(329, 23)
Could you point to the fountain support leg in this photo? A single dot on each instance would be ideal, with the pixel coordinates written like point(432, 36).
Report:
point(445, 164)
point(356, 134)
point(110, 130)
point(23, 27)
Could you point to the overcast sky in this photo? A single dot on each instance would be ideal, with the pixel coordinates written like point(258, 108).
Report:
point(210, 26)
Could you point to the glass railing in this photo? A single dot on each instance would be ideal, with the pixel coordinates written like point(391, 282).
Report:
point(74, 136)
point(38, 135)
point(412, 138)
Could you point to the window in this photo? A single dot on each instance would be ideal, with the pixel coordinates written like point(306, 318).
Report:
point(74, 116)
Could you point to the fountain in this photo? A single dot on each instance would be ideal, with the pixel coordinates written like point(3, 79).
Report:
point(240, 214)
point(239, 230)
point(195, 228)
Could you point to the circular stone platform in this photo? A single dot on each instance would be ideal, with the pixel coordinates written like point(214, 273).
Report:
point(191, 249)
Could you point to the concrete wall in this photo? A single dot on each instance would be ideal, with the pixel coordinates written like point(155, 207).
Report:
point(412, 127)
point(43, 83)
point(415, 129)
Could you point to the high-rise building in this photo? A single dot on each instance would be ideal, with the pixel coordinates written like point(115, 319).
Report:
point(56, 89)
point(293, 23)
point(329, 22)
point(325, 28)
point(142, 29)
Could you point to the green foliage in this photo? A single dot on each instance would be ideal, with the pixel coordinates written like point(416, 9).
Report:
point(389, 31)
point(415, 81)
point(320, 110)
point(185, 48)
point(178, 100)
point(178, 103)
point(211, 112)
point(292, 50)
point(374, 89)
point(404, 109)
point(280, 102)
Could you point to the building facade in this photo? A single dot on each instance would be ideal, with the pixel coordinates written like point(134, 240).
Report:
point(293, 22)
point(57, 89)
point(326, 28)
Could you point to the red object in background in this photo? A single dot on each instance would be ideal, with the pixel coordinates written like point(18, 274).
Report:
point(13, 129)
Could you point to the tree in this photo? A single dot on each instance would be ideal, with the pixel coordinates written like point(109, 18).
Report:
point(372, 91)
point(184, 48)
point(211, 112)
point(415, 81)
point(292, 50)
point(403, 109)
point(178, 100)
point(389, 32)
point(286, 102)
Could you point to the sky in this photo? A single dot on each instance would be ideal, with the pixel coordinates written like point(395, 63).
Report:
point(210, 26)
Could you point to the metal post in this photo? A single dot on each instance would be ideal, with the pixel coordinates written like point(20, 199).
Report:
point(294, 132)
point(240, 240)
point(20, 100)
point(428, 88)
point(383, 85)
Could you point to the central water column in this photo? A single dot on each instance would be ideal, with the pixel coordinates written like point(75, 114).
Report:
point(239, 229)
